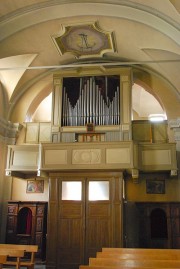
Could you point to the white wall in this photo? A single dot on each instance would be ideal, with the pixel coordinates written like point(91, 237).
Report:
point(19, 191)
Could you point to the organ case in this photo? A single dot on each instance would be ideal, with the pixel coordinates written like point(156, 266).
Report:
point(101, 97)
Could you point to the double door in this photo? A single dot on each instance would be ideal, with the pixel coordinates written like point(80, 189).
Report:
point(88, 217)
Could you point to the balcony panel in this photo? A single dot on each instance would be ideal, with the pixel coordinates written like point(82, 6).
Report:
point(23, 158)
point(157, 157)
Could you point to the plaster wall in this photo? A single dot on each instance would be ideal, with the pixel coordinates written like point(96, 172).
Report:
point(19, 191)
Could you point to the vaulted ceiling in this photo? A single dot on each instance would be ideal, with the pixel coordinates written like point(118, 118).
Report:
point(146, 36)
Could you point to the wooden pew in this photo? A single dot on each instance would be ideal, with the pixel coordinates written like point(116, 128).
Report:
point(133, 258)
point(115, 267)
point(134, 263)
point(31, 249)
point(141, 250)
point(150, 255)
point(2, 260)
point(16, 254)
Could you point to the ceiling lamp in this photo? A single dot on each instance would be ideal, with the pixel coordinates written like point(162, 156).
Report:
point(157, 117)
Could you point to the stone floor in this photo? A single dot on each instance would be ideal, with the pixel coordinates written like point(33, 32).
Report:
point(40, 266)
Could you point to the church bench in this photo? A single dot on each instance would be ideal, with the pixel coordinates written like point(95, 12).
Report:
point(14, 254)
point(141, 250)
point(2, 260)
point(136, 255)
point(117, 267)
point(134, 263)
point(27, 249)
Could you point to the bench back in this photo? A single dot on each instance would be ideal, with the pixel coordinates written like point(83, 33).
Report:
point(18, 253)
point(139, 256)
point(32, 249)
point(26, 248)
point(115, 267)
point(135, 263)
point(141, 250)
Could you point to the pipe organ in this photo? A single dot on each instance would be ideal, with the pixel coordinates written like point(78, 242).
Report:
point(92, 99)
point(98, 96)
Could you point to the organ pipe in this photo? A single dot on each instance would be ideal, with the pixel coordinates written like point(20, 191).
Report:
point(94, 103)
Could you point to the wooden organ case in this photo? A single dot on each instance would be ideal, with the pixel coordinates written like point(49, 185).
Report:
point(27, 224)
point(101, 97)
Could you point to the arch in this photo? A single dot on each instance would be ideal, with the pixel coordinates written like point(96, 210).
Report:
point(156, 84)
point(24, 221)
point(144, 102)
point(39, 13)
point(36, 102)
point(147, 88)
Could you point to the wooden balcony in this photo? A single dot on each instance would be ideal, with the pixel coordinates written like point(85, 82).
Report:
point(24, 160)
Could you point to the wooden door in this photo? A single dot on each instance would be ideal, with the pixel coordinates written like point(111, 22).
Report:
point(87, 219)
point(99, 216)
point(71, 224)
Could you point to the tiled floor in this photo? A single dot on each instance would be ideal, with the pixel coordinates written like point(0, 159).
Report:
point(40, 266)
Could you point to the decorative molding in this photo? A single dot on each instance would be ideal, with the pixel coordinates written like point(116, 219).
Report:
point(86, 156)
point(135, 175)
point(173, 173)
point(174, 123)
point(84, 40)
point(9, 131)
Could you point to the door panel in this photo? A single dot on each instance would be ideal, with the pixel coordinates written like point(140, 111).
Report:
point(70, 242)
point(70, 235)
point(98, 235)
point(88, 222)
point(70, 225)
point(98, 216)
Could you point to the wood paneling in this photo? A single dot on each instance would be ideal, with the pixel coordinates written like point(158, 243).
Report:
point(172, 212)
point(37, 235)
point(83, 227)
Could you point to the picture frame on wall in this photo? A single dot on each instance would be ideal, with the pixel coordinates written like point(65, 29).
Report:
point(35, 186)
point(155, 186)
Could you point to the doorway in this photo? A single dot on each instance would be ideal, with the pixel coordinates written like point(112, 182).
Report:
point(24, 221)
point(158, 226)
point(89, 210)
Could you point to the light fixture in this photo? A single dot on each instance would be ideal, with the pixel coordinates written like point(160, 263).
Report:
point(157, 117)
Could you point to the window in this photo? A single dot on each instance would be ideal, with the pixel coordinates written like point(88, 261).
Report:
point(72, 190)
point(98, 190)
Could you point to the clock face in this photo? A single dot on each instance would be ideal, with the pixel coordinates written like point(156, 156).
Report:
point(84, 40)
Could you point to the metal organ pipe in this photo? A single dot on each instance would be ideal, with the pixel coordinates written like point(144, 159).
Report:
point(93, 105)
